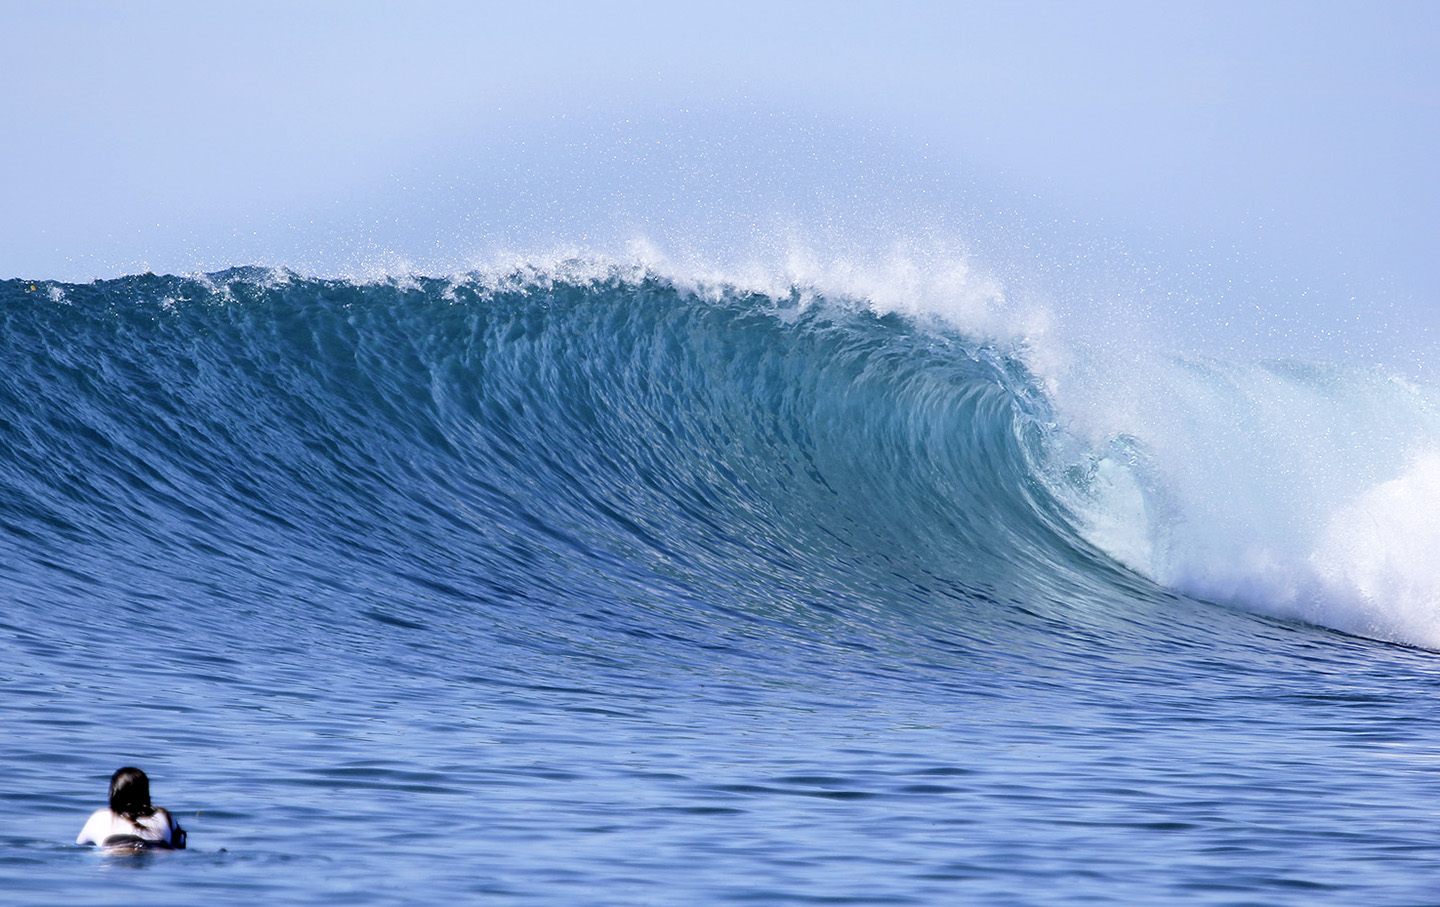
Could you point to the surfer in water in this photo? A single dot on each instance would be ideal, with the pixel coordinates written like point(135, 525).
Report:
point(132, 823)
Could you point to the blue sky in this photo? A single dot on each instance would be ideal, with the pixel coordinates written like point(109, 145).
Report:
point(1287, 146)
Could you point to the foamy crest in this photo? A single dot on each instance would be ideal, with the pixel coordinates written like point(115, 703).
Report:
point(1377, 559)
point(925, 278)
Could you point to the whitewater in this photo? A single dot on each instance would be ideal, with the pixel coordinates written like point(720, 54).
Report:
point(596, 581)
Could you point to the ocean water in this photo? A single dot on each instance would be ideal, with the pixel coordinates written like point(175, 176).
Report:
point(549, 587)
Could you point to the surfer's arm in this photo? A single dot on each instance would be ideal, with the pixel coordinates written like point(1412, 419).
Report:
point(96, 829)
point(174, 834)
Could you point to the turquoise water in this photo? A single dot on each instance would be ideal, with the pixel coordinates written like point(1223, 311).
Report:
point(609, 591)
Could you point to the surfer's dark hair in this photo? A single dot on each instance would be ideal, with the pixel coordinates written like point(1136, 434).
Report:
point(130, 793)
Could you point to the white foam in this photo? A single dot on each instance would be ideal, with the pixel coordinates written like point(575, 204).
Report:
point(1377, 558)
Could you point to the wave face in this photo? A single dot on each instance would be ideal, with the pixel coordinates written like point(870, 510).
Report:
point(737, 451)
point(595, 582)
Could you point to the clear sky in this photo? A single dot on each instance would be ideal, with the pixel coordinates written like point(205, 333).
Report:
point(1288, 145)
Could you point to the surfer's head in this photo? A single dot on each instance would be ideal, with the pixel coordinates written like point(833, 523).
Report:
point(130, 793)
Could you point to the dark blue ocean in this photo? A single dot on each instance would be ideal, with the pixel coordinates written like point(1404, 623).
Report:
point(612, 590)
